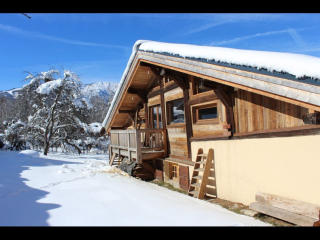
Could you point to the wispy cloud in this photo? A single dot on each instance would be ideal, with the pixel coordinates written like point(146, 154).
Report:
point(234, 40)
point(296, 37)
point(57, 39)
point(292, 32)
point(214, 20)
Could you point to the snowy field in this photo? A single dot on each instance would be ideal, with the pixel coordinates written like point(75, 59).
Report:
point(70, 190)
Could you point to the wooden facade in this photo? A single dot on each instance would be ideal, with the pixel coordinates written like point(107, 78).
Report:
point(164, 105)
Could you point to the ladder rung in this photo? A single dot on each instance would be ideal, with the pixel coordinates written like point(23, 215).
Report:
point(210, 195)
point(203, 155)
point(195, 184)
point(200, 162)
point(209, 186)
point(211, 178)
point(194, 192)
point(197, 177)
point(199, 169)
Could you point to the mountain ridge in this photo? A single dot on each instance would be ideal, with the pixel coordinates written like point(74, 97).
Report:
point(102, 89)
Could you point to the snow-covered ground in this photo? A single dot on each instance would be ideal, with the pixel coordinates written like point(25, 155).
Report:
point(73, 190)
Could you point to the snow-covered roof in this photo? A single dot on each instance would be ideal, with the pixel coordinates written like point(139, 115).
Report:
point(297, 65)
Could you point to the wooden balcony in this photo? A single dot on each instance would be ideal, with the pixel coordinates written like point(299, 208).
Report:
point(139, 144)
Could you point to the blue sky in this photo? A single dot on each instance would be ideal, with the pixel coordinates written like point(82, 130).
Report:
point(97, 46)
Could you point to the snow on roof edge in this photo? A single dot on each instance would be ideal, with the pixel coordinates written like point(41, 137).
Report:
point(299, 65)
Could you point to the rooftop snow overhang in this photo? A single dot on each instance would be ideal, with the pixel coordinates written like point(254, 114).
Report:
point(302, 93)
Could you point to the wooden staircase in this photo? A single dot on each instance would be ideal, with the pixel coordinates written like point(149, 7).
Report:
point(200, 175)
point(114, 159)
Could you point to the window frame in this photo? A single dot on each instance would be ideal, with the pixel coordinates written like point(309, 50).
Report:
point(169, 113)
point(195, 114)
point(157, 106)
point(171, 172)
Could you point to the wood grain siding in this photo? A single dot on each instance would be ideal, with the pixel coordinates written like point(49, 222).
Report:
point(184, 177)
point(178, 141)
point(254, 112)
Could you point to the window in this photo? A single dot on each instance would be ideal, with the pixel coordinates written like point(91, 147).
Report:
point(175, 111)
point(155, 113)
point(205, 114)
point(174, 174)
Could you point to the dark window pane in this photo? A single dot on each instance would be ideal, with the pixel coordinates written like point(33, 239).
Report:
point(154, 117)
point(177, 110)
point(207, 113)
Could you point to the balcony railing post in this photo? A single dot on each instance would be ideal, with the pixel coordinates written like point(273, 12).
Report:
point(138, 146)
point(165, 145)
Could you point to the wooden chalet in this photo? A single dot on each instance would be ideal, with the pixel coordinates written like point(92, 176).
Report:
point(259, 130)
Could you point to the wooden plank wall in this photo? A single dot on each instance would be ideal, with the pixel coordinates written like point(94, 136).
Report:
point(254, 112)
point(200, 130)
point(178, 141)
point(177, 135)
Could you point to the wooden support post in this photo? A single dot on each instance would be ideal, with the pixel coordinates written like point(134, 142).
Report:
point(146, 118)
point(184, 85)
point(162, 104)
point(228, 104)
point(138, 147)
point(129, 153)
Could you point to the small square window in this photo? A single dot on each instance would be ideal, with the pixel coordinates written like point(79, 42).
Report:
point(205, 114)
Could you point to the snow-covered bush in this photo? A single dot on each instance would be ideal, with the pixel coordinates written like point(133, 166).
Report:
point(13, 135)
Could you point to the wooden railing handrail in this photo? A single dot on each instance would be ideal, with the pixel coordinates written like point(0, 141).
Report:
point(133, 143)
point(136, 130)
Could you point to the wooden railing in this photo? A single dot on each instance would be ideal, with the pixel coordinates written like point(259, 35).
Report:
point(139, 141)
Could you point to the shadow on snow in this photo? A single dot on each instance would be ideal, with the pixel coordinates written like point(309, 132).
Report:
point(19, 204)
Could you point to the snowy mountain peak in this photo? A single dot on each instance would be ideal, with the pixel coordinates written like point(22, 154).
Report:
point(102, 89)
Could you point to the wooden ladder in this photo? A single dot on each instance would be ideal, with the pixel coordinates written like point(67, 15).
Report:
point(115, 160)
point(199, 182)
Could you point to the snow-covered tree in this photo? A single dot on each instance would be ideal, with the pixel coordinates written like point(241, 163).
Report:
point(13, 135)
point(58, 107)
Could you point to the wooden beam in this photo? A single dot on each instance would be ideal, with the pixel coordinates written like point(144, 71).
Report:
point(162, 105)
point(236, 85)
point(178, 79)
point(282, 132)
point(148, 167)
point(291, 205)
point(140, 92)
point(146, 115)
point(125, 111)
point(228, 104)
point(282, 214)
point(203, 99)
point(152, 68)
